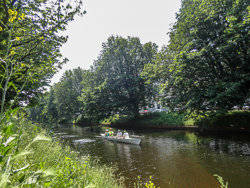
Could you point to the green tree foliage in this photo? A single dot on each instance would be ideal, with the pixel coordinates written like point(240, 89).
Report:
point(30, 38)
point(45, 111)
point(66, 96)
point(61, 104)
point(37, 113)
point(50, 110)
point(117, 85)
point(206, 65)
point(95, 98)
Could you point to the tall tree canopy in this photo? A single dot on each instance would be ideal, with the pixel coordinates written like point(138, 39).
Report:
point(95, 97)
point(30, 38)
point(207, 60)
point(117, 75)
point(66, 93)
point(61, 104)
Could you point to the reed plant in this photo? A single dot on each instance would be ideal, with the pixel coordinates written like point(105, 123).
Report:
point(220, 180)
point(29, 157)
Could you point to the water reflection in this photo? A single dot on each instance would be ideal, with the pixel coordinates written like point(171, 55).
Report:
point(173, 158)
point(226, 145)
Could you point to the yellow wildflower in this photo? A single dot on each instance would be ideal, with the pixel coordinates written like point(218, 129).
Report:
point(22, 16)
point(18, 38)
point(12, 14)
point(11, 19)
point(12, 52)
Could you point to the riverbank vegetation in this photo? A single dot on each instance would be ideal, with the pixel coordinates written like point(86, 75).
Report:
point(203, 71)
point(31, 34)
point(228, 121)
point(29, 156)
point(232, 120)
point(149, 120)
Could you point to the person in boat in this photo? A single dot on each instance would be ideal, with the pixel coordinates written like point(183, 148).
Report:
point(106, 132)
point(111, 132)
point(119, 134)
point(125, 135)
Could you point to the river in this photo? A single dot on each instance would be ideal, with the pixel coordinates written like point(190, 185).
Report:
point(172, 158)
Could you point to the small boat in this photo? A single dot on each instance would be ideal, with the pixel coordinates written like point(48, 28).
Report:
point(136, 141)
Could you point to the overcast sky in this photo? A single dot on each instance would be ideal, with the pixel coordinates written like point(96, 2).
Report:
point(150, 20)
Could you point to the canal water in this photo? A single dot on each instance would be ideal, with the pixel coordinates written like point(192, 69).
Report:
point(171, 158)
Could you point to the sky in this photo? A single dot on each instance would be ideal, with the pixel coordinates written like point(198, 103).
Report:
point(150, 20)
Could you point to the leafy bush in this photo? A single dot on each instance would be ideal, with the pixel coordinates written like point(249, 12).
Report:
point(153, 120)
point(112, 119)
point(82, 120)
point(232, 119)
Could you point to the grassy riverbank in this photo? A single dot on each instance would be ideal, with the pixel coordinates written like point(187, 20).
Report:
point(232, 120)
point(153, 120)
point(29, 156)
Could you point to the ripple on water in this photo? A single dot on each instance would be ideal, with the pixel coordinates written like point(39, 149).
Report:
point(172, 158)
point(60, 133)
point(69, 136)
point(83, 141)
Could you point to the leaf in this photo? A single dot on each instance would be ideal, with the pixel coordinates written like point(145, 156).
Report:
point(2, 67)
point(20, 169)
point(9, 140)
point(13, 85)
point(23, 153)
point(41, 138)
point(4, 180)
point(49, 172)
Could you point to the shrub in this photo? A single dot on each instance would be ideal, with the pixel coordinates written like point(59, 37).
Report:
point(29, 157)
point(153, 119)
point(232, 119)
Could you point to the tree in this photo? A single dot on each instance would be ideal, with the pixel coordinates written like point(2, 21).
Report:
point(38, 112)
point(209, 56)
point(50, 108)
point(30, 38)
point(95, 99)
point(61, 104)
point(66, 94)
point(117, 75)
point(157, 73)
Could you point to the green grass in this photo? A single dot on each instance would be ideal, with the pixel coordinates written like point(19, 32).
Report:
point(157, 119)
point(211, 120)
point(29, 157)
point(189, 122)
